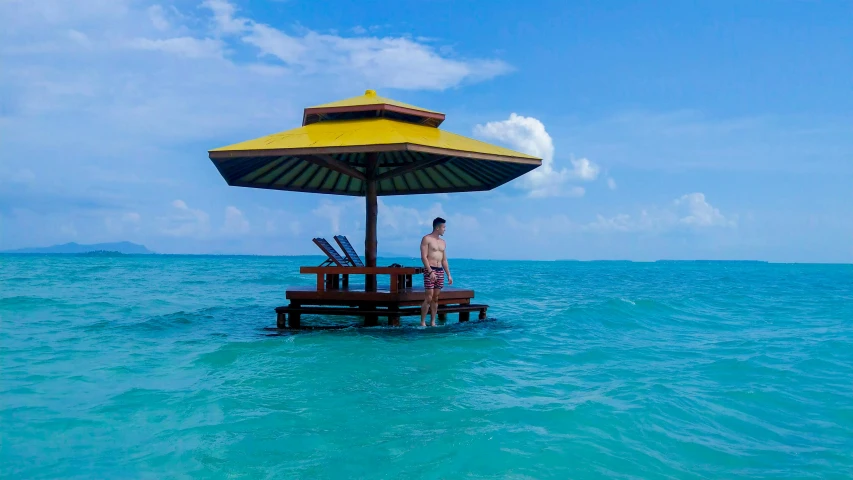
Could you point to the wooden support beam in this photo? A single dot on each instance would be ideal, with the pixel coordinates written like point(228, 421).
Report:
point(344, 270)
point(371, 319)
point(372, 310)
point(333, 163)
point(372, 211)
point(294, 318)
point(394, 316)
point(429, 162)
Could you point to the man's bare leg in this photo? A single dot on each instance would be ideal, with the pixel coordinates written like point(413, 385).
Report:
point(434, 305)
point(425, 305)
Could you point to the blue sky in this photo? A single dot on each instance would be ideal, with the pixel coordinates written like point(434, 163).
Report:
point(674, 130)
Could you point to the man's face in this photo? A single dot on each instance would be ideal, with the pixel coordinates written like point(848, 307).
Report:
point(440, 228)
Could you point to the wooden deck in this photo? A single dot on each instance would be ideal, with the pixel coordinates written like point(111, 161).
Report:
point(333, 295)
point(355, 296)
point(372, 305)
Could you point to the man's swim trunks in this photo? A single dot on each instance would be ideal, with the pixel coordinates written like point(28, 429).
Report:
point(439, 279)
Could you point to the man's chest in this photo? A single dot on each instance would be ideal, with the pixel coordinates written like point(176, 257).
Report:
point(437, 246)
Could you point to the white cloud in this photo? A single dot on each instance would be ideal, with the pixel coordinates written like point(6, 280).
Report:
point(223, 14)
point(658, 221)
point(554, 225)
point(528, 135)
point(79, 38)
point(399, 227)
point(401, 220)
point(183, 46)
point(126, 222)
point(235, 222)
point(381, 62)
point(619, 223)
point(25, 15)
point(280, 222)
point(691, 210)
point(700, 213)
point(611, 184)
point(68, 230)
point(295, 227)
point(132, 95)
point(573, 191)
point(584, 170)
point(392, 219)
point(185, 221)
point(331, 211)
point(158, 17)
point(271, 41)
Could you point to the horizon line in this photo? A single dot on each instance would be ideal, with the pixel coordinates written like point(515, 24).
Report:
point(457, 258)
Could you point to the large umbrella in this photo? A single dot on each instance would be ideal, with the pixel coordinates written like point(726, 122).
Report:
point(369, 146)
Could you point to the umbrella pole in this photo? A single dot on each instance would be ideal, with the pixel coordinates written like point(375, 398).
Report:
point(370, 234)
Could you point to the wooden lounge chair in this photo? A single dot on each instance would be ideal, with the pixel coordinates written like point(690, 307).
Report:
point(350, 252)
point(334, 258)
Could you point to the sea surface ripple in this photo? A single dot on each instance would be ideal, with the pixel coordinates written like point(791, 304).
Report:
point(160, 367)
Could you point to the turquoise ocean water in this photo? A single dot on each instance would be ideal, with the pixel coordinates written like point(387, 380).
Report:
point(159, 367)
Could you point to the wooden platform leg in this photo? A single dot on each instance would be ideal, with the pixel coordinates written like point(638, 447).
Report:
point(280, 320)
point(294, 319)
point(393, 317)
point(442, 317)
point(464, 316)
point(370, 320)
point(482, 315)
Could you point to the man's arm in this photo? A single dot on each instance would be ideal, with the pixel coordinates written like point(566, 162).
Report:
point(446, 266)
point(424, 252)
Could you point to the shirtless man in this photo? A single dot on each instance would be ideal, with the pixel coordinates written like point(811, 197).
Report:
point(434, 256)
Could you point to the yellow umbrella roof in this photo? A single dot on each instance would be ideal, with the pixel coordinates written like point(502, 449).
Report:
point(371, 105)
point(370, 98)
point(344, 145)
point(377, 134)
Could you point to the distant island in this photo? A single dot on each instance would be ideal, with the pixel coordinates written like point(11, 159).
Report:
point(126, 248)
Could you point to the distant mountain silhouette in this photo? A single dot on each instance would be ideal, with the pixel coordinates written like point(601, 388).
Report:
point(120, 247)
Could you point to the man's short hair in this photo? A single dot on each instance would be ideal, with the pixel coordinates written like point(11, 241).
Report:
point(438, 221)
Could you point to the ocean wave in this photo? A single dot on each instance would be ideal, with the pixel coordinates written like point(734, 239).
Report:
point(22, 302)
point(172, 367)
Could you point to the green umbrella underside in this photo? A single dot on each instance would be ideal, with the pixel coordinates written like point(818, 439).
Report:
point(403, 172)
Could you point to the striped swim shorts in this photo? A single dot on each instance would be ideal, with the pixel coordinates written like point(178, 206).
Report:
point(439, 279)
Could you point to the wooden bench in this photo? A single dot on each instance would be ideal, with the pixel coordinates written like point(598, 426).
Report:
point(290, 316)
point(329, 278)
